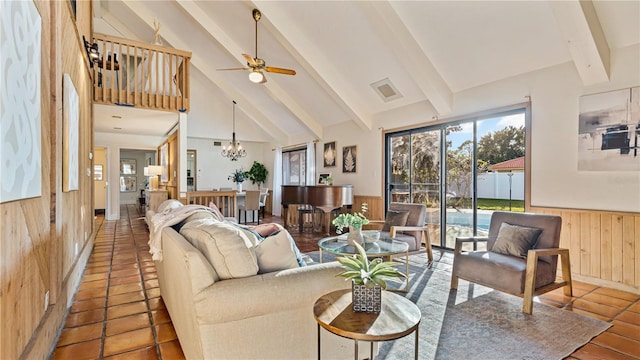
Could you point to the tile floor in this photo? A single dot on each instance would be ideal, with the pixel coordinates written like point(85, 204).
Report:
point(118, 313)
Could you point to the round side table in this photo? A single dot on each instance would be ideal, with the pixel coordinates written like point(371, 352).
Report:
point(397, 318)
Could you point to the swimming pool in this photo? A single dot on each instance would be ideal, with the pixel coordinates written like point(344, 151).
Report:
point(462, 218)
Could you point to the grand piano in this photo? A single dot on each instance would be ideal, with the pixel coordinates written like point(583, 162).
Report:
point(323, 197)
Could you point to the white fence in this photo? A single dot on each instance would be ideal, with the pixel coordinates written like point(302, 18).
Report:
point(496, 185)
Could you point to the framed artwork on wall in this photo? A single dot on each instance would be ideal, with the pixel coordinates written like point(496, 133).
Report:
point(70, 135)
point(349, 159)
point(127, 166)
point(330, 153)
point(127, 183)
point(164, 162)
point(20, 107)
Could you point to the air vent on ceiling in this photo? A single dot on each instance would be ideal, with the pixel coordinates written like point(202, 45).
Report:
point(386, 90)
point(217, 143)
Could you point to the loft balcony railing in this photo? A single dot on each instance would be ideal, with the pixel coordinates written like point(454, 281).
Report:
point(132, 73)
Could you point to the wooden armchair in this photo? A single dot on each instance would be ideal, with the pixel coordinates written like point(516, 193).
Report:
point(505, 267)
point(412, 231)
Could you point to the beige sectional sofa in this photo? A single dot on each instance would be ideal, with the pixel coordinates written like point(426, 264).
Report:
point(261, 316)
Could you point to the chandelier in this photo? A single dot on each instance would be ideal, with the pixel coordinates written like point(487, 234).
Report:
point(234, 151)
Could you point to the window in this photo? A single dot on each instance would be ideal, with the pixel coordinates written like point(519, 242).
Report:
point(294, 164)
point(434, 165)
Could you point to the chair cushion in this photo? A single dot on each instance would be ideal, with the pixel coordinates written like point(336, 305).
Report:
point(501, 272)
point(395, 218)
point(515, 240)
point(275, 253)
point(227, 248)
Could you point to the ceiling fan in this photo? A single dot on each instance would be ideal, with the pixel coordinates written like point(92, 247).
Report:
point(255, 64)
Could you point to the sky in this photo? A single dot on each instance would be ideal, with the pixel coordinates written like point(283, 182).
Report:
point(485, 127)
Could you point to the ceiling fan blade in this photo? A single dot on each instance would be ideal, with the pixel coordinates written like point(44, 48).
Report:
point(279, 70)
point(251, 61)
point(232, 69)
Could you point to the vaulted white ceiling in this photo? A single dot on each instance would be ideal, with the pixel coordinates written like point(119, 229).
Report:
point(429, 50)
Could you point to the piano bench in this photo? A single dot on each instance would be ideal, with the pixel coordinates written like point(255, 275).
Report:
point(305, 211)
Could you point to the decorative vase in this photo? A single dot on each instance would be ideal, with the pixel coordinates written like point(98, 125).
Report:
point(366, 299)
point(355, 236)
point(239, 187)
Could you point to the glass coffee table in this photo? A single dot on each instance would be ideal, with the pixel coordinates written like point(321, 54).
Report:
point(383, 247)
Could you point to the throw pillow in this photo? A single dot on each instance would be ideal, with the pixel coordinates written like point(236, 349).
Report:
point(275, 253)
point(198, 215)
point(515, 240)
point(216, 211)
point(395, 218)
point(226, 247)
point(168, 205)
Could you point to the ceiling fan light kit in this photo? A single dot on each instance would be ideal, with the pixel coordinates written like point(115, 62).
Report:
point(234, 150)
point(255, 64)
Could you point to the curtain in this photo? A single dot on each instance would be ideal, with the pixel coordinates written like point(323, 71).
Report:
point(277, 183)
point(311, 163)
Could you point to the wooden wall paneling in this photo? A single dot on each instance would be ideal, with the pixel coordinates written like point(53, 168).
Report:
point(375, 206)
point(605, 247)
point(585, 244)
point(628, 250)
point(574, 249)
point(616, 248)
point(594, 247)
point(637, 250)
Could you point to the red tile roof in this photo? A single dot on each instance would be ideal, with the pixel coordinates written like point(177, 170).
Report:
point(513, 164)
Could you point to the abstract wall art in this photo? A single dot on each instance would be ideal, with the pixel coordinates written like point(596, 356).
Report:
point(20, 104)
point(70, 135)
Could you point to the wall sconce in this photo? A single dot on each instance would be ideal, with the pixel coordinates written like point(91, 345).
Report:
point(92, 51)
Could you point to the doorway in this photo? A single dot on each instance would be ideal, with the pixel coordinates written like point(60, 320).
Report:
point(100, 176)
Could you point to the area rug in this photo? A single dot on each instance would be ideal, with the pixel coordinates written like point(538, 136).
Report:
point(476, 322)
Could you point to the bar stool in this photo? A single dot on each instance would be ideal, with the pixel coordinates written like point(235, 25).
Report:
point(305, 211)
point(323, 216)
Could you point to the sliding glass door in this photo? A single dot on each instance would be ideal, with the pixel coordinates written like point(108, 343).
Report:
point(462, 171)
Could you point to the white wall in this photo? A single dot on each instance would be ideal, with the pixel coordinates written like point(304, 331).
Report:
point(212, 169)
point(140, 157)
point(554, 93)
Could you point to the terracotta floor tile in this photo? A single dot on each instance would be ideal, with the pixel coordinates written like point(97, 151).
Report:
point(128, 341)
point(166, 332)
point(124, 273)
point(153, 293)
point(558, 297)
point(80, 351)
point(125, 288)
point(127, 323)
point(156, 304)
point(97, 270)
point(607, 300)
point(80, 334)
point(149, 276)
point(148, 353)
point(625, 329)
point(133, 266)
point(126, 309)
point(171, 350)
point(90, 294)
point(150, 284)
point(604, 310)
point(100, 284)
point(635, 307)
point(93, 277)
point(85, 305)
point(619, 343)
point(160, 316)
point(583, 285)
point(587, 313)
point(617, 293)
point(629, 317)
point(578, 292)
point(125, 298)
point(595, 352)
point(125, 280)
point(84, 318)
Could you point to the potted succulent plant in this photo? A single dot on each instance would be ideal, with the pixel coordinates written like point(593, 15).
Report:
point(368, 279)
point(238, 177)
point(354, 222)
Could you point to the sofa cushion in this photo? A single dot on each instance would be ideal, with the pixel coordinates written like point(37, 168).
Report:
point(515, 240)
point(195, 216)
point(216, 211)
point(275, 253)
point(395, 218)
point(226, 247)
point(168, 205)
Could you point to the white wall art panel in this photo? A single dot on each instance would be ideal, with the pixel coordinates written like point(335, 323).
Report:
point(20, 117)
point(70, 137)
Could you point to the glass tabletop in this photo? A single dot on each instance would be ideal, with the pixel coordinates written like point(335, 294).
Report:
point(381, 247)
